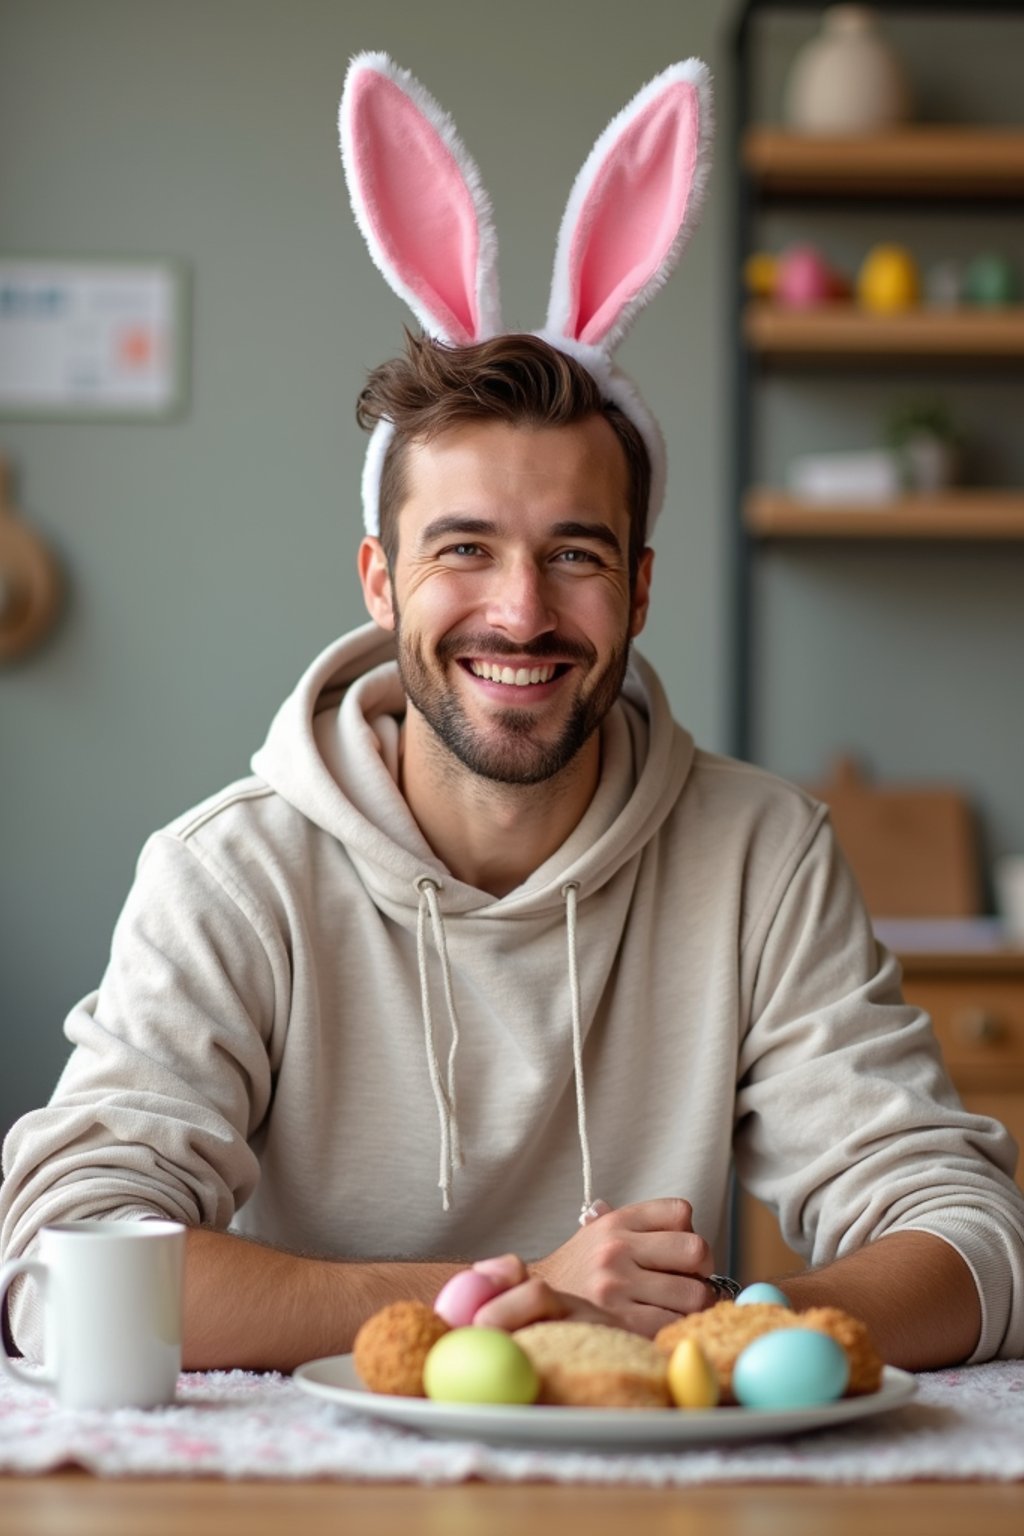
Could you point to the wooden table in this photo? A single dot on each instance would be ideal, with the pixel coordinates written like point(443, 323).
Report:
point(75, 1504)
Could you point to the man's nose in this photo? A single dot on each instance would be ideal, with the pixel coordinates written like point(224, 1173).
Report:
point(518, 602)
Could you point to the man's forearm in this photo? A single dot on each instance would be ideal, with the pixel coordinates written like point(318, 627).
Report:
point(257, 1308)
point(914, 1292)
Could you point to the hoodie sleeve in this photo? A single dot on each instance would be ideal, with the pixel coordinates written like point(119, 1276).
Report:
point(847, 1122)
point(170, 1075)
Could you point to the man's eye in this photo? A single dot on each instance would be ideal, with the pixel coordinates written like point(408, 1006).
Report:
point(578, 557)
point(462, 549)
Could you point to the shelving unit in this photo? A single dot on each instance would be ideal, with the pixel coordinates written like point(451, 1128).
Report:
point(962, 166)
point(976, 1000)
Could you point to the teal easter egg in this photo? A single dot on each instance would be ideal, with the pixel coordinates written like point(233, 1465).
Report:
point(790, 1368)
point(990, 281)
point(479, 1365)
point(762, 1292)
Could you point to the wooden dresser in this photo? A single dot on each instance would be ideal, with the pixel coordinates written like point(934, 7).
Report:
point(976, 1002)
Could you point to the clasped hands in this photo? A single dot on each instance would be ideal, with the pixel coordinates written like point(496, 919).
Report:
point(638, 1267)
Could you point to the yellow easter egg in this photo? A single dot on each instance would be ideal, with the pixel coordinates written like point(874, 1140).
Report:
point(888, 279)
point(692, 1379)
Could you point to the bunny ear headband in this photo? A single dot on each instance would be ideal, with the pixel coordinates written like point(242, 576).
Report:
point(423, 212)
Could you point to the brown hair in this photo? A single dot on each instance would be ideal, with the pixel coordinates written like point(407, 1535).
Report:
point(518, 379)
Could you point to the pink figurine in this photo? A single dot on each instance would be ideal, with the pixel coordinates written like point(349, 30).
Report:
point(803, 278)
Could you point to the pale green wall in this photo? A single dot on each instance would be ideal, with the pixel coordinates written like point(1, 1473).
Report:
point(210, 559)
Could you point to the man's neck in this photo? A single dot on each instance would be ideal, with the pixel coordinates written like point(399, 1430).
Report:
point(491, 835)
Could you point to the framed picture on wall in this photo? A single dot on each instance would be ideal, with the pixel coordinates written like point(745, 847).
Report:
point(92, 338)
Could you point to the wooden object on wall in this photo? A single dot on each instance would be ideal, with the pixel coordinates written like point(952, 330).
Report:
point(913, 849)
point(29, 580)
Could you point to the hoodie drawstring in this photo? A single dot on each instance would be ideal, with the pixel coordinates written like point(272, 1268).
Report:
point(444, 1092)
point(570, 893)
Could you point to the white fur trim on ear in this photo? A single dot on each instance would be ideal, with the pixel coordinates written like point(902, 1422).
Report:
point(487, 297)
point(559, 321)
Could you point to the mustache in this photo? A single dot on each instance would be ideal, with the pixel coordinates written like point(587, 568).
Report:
point(543, 648)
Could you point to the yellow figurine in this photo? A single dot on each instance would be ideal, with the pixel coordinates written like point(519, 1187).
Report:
point(888, 280)
point(759, 274)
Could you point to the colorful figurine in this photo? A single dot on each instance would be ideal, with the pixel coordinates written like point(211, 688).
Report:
point(888, 280)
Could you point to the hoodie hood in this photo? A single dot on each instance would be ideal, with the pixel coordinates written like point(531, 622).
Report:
point(332, 753)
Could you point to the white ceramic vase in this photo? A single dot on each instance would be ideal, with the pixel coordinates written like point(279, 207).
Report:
point(847, 79)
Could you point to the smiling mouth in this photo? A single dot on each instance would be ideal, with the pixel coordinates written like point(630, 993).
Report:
point(515, 677)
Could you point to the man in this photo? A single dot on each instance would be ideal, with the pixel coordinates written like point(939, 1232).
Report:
point(484, 918)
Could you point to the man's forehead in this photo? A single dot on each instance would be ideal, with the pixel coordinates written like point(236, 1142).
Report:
point(583, 461)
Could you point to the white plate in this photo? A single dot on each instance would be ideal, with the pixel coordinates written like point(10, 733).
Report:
point(335, 1379)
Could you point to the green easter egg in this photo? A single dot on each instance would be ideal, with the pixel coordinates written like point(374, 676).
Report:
point(479, 1365)
point(990, 281)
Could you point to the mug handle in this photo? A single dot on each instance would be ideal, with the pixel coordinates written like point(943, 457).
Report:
point(9, 1273)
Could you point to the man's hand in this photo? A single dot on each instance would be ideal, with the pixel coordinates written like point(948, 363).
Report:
point(524, 1298)
point(640, 1267)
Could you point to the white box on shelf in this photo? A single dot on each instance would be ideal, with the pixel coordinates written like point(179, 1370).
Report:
point(868, 477)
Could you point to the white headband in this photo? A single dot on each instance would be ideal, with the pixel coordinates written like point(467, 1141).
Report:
point(426, 218)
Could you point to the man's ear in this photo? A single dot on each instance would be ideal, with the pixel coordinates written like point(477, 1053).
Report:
point(641, 593)
point(376, 581)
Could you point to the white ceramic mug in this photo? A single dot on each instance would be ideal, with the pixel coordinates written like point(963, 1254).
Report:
point(112, 1301)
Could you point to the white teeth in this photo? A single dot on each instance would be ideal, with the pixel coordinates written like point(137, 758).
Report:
point(515, 678)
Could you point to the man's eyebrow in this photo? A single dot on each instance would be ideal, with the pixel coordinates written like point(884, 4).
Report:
point(597, 531)
point(444, 527)
point(463, 526)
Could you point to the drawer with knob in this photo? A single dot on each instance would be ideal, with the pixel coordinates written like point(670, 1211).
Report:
point(979, 1020)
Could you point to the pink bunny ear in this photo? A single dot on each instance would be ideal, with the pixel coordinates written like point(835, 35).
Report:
point(631, 208)
point(419, 201)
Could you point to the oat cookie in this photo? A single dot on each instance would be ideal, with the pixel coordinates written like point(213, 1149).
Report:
point(725, 1330)
point(588, 1365)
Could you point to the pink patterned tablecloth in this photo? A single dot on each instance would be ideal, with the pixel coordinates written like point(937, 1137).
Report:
point(963, 1424)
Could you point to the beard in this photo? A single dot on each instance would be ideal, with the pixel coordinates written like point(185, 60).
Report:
point(510, 750)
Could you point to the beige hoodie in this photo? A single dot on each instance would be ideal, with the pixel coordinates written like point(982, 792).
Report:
point(270, 1046)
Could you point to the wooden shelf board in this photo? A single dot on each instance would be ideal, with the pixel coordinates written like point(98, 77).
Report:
point(972, 963)
point(845, 330)
point(922, 160)
point(954, 515)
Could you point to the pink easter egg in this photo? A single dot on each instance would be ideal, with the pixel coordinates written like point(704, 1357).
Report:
point(803, 278)
point(462, 1296)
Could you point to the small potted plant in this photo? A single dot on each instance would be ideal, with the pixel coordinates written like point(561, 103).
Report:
point(927, 444)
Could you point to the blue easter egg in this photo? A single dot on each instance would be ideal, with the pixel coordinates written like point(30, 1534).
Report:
point(790, 1368)
point(761, 1291)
